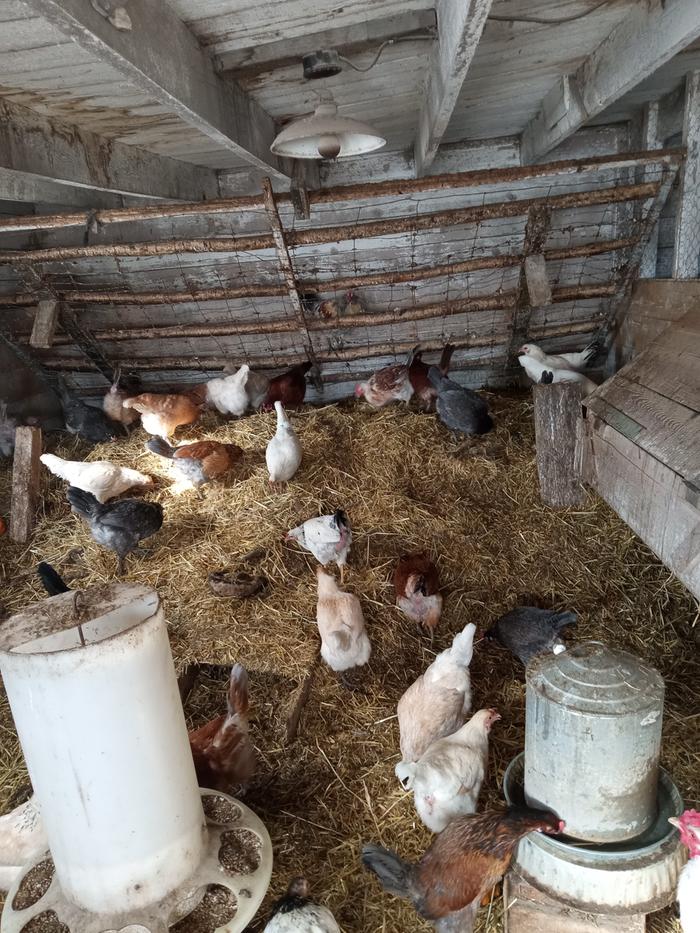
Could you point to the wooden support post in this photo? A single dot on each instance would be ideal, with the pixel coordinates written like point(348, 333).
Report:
point(538, 288)
point(538, 220)
point(557, 411)
point(287, 268)
point(299, 194)
point(686, 258)
point(45, 321)
point(650, 140)
point(25, 483)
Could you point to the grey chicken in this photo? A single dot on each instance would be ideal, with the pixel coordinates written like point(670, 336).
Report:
point(460, 409)
point(118, 525)
point(528, 631)
point(87, 421)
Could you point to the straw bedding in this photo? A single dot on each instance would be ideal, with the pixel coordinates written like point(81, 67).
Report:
point(405, 485)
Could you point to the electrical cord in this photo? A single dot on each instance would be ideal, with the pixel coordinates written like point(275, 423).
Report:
point(548, 22)
point(431, 34)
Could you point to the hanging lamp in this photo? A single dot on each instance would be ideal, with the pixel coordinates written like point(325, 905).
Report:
point(326, 135)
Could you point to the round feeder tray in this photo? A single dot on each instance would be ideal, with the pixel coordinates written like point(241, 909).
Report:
point(636, 876)
point(223, 894)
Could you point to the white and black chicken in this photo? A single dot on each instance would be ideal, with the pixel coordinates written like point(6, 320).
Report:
point(328, 537)
point(297, 913)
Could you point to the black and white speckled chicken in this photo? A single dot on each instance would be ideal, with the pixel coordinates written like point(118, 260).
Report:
point(120, 524)
point(528, 631)
point(297, 913)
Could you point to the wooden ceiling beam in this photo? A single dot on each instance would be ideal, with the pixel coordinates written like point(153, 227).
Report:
point(460, 24)
point(40, 152)
point(356, 37)
point(164, 60)
point(649, 35)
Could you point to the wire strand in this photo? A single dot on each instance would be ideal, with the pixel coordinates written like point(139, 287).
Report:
point(548, 22)
point(428, 35)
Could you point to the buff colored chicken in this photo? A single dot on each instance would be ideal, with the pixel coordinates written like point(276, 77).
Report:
point(224, 756)
point(113, 401)
point(161, 415)
point(391, 384)
point(447, 778)
point(418, 590)
point(341, 625)
point(438, 702)
point(103, 479)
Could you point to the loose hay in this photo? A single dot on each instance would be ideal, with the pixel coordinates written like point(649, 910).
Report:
point(405, 486)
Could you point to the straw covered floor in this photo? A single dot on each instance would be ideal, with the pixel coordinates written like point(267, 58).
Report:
point(406, 485)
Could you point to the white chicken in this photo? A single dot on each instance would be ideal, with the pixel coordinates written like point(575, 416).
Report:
point(438, 702)
point(283, 453)
point(22, 835)
point(341, 625)
point(562, 368)
point(228, 394)
point(328, 537)
point(103, 479)
point(688, 823)
point(447, 778)
point(255, 386)
point(297, 913)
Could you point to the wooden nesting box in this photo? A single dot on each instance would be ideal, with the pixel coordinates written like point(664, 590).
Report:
point(640, 446)
point(529, 910)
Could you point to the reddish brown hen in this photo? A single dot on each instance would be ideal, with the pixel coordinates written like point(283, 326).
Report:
point(463, 863)
point(223, 753)
point(199, 462)
point(418, 590)
point(418, 375)
point(288, 388)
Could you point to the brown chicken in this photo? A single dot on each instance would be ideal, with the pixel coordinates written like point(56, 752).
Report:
point(418, 590)
point(418, 375)
point(223, 753)
point(390, 384)
point(461, 865)
point(288, 388)
point(162, 414)
point(199, 462)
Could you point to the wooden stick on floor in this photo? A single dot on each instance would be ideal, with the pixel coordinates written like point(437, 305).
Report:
point(301, 701)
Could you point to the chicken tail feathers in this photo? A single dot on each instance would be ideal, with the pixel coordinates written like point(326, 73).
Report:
point(415, 354)
point(463, 645)
point(446, 358)
point(161, 448)
point(52, 581)
point(84, 503)
point(237, 700)
point(394, 875)
point(592, 350)
point(435, 377)
point(563, 619)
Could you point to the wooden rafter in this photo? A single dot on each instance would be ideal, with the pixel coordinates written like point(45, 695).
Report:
point(649, 35)
point(460, 24)
point(176, 73)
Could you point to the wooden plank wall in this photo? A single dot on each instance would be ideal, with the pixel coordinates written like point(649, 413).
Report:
point(640, 446)
point(655, 304)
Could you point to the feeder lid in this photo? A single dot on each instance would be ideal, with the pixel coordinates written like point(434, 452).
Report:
point(593, 678)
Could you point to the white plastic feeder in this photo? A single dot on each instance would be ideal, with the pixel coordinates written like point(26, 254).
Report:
point(93, 692)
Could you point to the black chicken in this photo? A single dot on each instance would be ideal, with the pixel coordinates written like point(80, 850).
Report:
point(460, 409)
point(528, 631)
point(120, 524)
point(52, 580)
point(87, 421)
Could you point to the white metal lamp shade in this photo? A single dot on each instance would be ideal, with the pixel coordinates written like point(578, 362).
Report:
point(325, 135)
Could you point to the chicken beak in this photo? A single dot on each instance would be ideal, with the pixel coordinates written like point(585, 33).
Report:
point(674, 821)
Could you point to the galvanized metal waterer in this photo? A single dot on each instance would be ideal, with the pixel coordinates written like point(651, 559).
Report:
point(593, 739)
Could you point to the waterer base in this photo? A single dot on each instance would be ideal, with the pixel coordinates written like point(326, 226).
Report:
point(224, 815)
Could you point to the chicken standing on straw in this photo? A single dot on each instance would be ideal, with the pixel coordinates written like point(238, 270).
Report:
point(103, 479)
point(161, 415)
point(418, 590)
point(438, 702)
point(283, 453)
point(447, 778)
point(528, 631)
point(328, 537)
point(391, 384)
point(297, 913)
point(341, 625)
point(462, 865)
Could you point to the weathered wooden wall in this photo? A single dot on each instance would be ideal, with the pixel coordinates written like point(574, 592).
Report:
point(640, 446)
point(655, 304)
